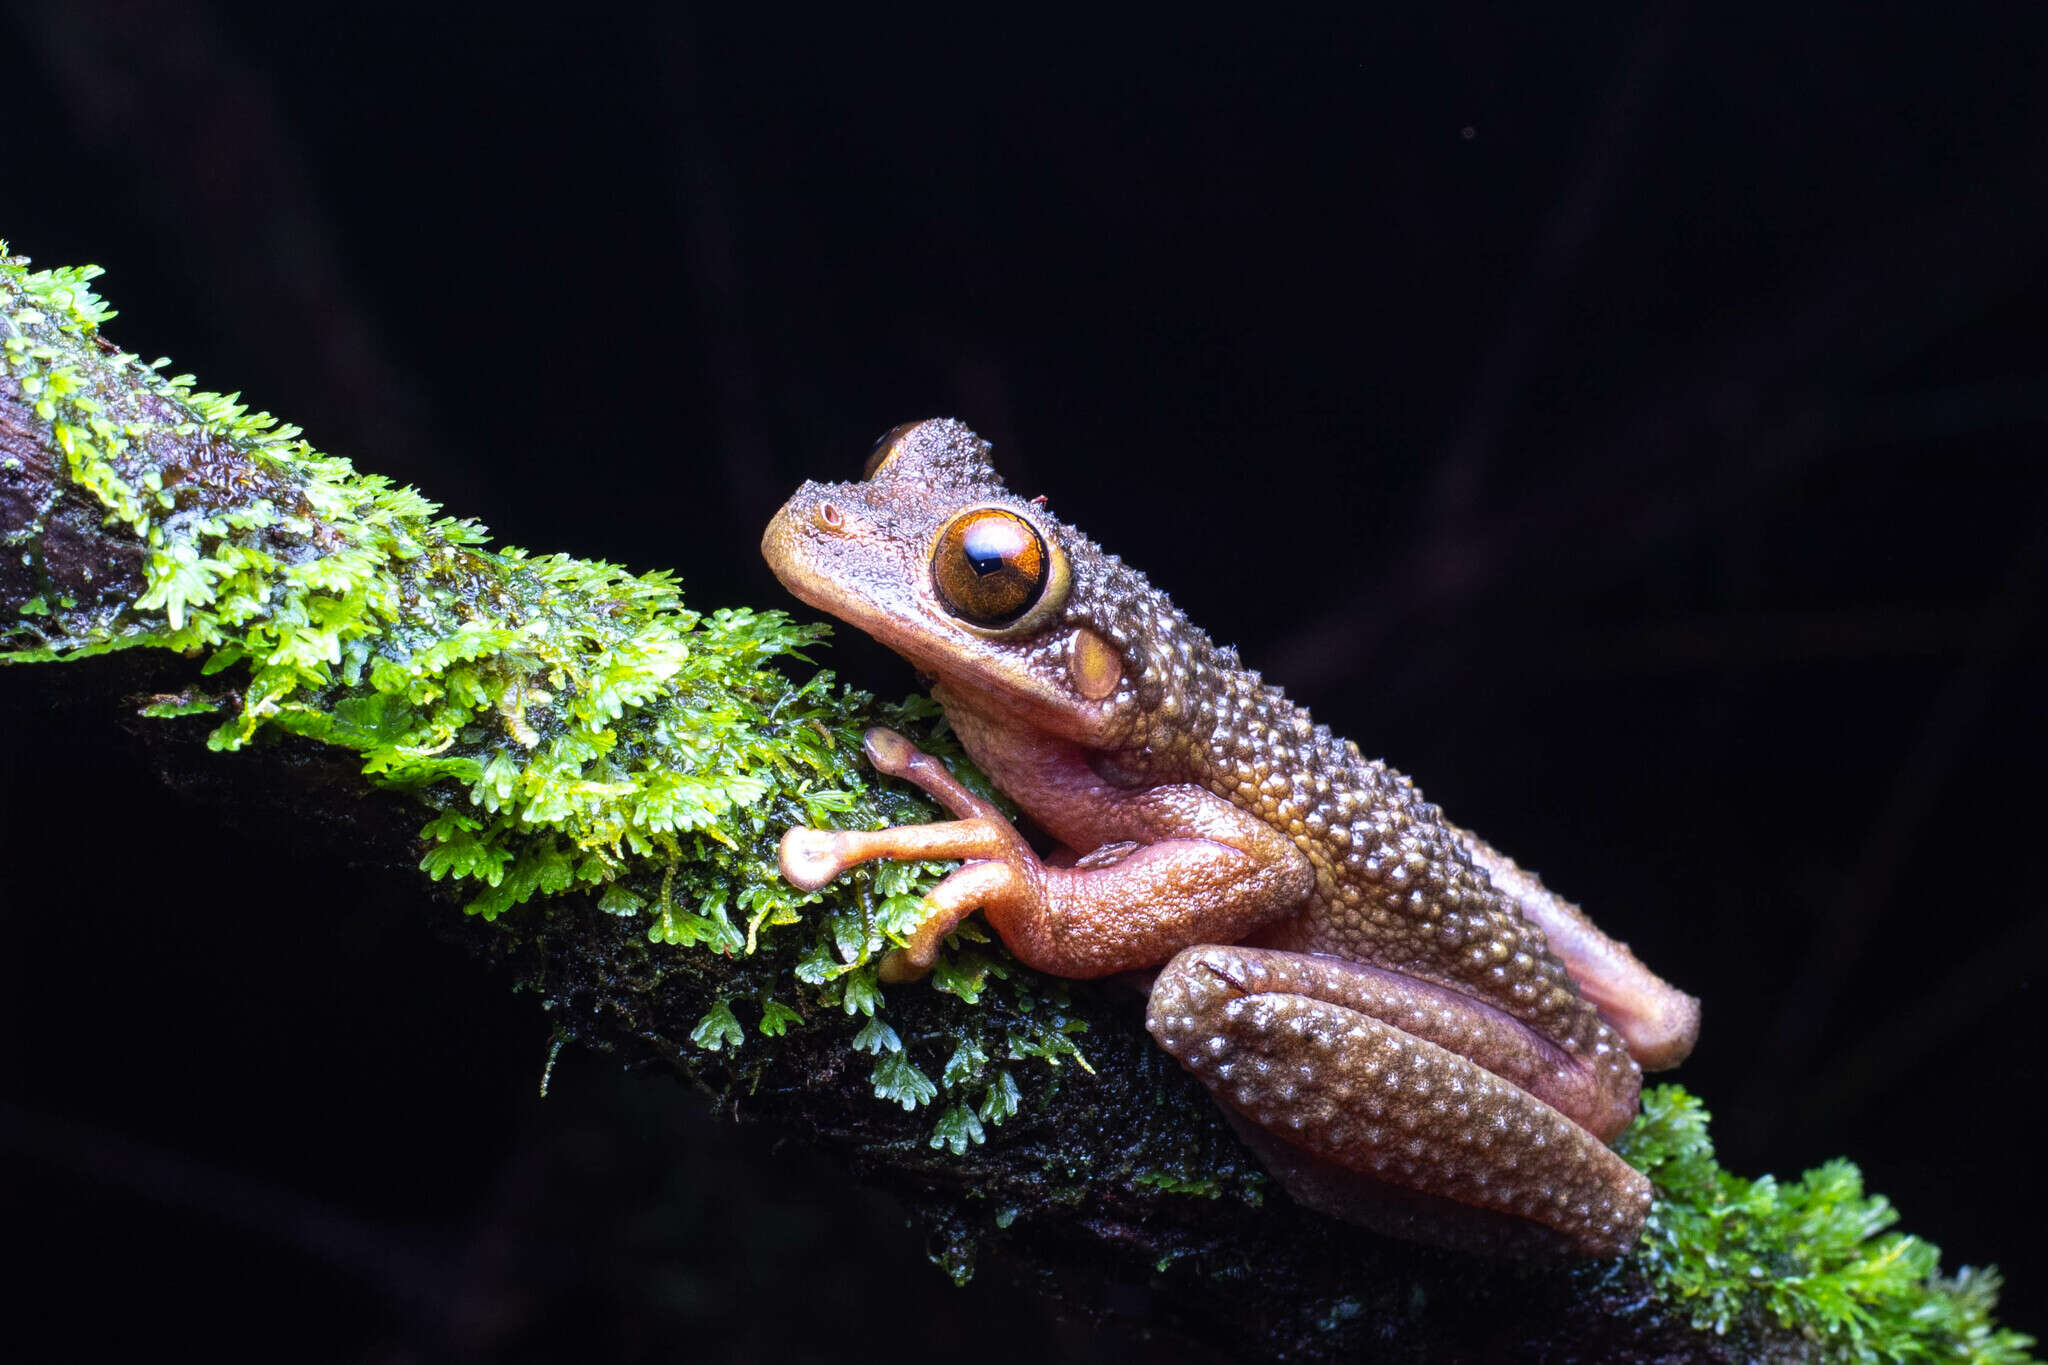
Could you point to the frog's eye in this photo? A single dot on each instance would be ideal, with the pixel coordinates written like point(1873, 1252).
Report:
point(993, 570)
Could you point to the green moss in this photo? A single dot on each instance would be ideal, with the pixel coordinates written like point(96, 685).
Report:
point(1201, 1187)
point(566, 727)
point(1815, 1255)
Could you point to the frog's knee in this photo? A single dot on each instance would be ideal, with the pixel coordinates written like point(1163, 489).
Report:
point(1192, 993)
point(1663, 1030)
point(1211, 974)
point(1197, 977)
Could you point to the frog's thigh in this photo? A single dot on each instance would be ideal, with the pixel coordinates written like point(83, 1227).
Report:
point(1351, 1088)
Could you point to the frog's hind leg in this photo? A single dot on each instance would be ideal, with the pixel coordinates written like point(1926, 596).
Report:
point(1404, 1084)
point(1659, 1022)
point(1330, 1188)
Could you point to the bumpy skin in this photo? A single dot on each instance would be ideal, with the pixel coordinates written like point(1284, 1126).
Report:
point(1413, 1031)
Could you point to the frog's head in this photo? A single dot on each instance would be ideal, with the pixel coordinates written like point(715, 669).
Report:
point(1016, 614)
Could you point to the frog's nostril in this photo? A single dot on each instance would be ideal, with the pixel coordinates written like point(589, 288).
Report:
point(830, 517)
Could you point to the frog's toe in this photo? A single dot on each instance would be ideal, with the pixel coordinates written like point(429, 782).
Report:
point(809, 858)
point(888, 751)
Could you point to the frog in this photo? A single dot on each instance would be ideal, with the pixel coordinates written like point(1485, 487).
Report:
point(1409, 1029)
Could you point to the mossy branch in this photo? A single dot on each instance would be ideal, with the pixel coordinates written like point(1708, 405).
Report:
point(598, 776)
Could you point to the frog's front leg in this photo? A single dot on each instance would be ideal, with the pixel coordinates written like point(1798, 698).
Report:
point(1177, 866)
point(1397, 1082)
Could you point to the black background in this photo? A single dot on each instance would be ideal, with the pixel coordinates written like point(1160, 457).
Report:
point(1625, 420)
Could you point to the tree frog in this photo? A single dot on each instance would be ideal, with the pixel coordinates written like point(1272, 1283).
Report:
point(1408, 1027)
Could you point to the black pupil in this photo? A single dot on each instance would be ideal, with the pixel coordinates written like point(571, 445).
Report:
point(991, 544)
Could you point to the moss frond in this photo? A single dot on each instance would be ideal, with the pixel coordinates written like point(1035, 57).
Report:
point(1815, 1254)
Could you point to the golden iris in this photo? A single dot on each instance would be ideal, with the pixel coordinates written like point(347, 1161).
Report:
point(989, 567)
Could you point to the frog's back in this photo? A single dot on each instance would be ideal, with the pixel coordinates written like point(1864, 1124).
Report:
point(1395, 885)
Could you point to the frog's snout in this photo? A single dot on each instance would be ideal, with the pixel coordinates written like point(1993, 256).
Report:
point(782, 541)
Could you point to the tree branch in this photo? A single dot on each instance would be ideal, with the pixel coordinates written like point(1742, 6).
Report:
point(598, 776)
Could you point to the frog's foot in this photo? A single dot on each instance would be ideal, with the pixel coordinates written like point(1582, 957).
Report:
point(810, 858)
point(1001, 870)
point(1404, 1084)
